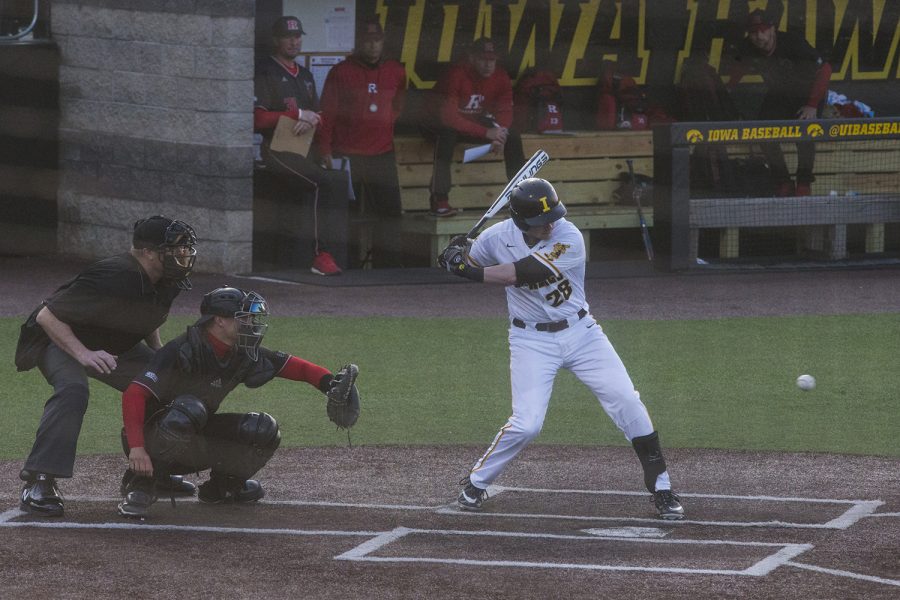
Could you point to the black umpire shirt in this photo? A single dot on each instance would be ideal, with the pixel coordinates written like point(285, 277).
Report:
point(187, 365)
point(112, 305)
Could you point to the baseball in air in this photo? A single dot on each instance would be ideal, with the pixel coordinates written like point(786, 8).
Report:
point(806, 382)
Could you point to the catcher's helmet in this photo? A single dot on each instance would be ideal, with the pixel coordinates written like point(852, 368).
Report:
point(533, 202)
point(248, 308)
point(174, 240)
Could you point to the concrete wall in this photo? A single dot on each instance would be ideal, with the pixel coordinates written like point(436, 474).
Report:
point(156, 101)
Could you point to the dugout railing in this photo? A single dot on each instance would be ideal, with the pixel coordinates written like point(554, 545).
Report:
point(716, 201)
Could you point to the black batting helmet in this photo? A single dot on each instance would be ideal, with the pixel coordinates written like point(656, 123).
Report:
point(248, 308)
point(533, 202)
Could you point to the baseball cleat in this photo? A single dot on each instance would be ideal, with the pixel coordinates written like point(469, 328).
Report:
point(41, 497)
point(227, 490)
point(471, 498)
point(668, 505)
point(172, 485)
point(141, 494)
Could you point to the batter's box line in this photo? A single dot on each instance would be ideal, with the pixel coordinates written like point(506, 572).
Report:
point(857, 510)
point(363, 552)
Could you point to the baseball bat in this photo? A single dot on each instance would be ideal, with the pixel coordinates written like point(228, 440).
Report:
point(636, 194)
point(531, 166)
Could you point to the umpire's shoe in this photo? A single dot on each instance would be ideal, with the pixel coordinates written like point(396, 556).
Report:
point(226, 490)
point(140, 495)
point(172, 485)
point(41, 497)
point(471, 497)
point(668, 505)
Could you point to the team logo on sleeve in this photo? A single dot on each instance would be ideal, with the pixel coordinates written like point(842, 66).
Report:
point(151, 376)
point(558, 250)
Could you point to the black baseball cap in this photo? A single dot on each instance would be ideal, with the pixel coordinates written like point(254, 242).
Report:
point(151, 232)
point(759, 19)
point(371, 27)
point(287, 27)
point(483, 48)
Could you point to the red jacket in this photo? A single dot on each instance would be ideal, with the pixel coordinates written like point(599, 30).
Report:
point(463, 96)
point(352, 88)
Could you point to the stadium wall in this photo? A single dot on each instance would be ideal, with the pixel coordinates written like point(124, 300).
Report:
point(156, 117)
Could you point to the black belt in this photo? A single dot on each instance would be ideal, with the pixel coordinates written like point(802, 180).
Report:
point(552, 326)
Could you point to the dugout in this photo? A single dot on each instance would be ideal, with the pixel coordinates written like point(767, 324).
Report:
point(147, 106)
point(714, 202)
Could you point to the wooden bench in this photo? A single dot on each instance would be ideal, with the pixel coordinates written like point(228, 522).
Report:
point(584, 167)
point(856, 182)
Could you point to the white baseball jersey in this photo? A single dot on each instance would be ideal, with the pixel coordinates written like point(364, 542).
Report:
point(536, 355)
point(558, 297)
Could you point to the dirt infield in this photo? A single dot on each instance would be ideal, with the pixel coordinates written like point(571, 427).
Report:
point(571, 522)
point(378, 522)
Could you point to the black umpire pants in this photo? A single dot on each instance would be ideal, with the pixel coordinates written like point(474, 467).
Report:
point(327, 190)
point(444, 144)
point(56, 440)
point(377, 188)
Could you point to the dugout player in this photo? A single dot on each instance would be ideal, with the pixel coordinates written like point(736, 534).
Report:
point(283, 88)
point(797, 80)
point(103, 324)
point(362, 98)
point(540, 257)
point(473, 103)
point(172, 423)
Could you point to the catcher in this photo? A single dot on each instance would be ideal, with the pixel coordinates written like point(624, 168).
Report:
point(172, 423)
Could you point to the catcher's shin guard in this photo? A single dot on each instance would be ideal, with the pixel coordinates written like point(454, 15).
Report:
point(174, 437)
point(650, 454)
point(258, 437)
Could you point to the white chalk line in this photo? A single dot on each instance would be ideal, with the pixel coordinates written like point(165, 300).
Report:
point(655, 520)
point(860, 509)
point(762, 567)
point(842, 573)
point(857, 510)
point(684, 495)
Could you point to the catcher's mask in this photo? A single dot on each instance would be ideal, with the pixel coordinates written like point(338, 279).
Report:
point(533, 202)
point(249, 309)
point(175, 241)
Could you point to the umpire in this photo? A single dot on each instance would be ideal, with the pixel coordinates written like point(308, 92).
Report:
point(170, 412)
point(104, 324)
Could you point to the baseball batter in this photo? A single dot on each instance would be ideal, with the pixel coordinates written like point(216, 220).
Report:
point(540, 257)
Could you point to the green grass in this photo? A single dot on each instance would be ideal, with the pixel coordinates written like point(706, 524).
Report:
point(726, 383)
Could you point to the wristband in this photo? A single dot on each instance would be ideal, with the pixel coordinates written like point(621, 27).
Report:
point(470, 272)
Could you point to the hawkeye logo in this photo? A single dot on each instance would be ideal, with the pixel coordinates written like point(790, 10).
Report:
point(694, 136)
point(558, 250)
point(815, 130)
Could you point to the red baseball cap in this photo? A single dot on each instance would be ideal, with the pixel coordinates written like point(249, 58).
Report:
point(484, 48)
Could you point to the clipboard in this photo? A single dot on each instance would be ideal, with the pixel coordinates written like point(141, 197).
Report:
point(284, 139)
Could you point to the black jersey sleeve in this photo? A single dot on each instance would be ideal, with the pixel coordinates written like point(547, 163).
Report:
point(159, 374)
point(266, 367)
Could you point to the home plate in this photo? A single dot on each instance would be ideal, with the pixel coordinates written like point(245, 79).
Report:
point(628, 532)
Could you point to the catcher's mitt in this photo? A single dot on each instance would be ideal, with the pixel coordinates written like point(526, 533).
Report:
point(343, 397)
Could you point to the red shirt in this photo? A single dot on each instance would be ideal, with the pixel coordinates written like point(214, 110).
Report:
point(351, 91)
point(463, 96)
